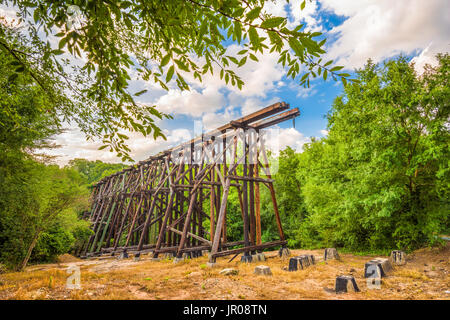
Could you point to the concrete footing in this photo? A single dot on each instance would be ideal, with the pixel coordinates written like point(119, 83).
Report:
point(258, 257)
point(246, 258)
point(301, 262)
point(211, 264)
point(263, 270)
point(346, 284)
point(168, 255)
point(122, 255)
point(187, 255)
point(398, 258)
point(284, 253)
point(377, 268)
point(331, 254)
point(178, 260)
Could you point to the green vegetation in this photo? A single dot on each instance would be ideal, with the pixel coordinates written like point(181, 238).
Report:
point(162, 41)
point(380, 179)
point(40, 204)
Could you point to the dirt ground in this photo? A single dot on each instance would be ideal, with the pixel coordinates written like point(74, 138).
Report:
point(425, 276)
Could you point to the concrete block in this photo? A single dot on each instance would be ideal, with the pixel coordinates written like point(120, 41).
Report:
point(263, 270)
point(261, 256)
point(284, 253)
point(246, 258)
point(330, 254)
point(122, 255)
point(187, 255)
point(377, 268)
point(178, 260)
point(346, 284)
point(398, 258)
point(301, 262)
point(168, 255)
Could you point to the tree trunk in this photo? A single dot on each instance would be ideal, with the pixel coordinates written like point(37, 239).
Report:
point(30, 249)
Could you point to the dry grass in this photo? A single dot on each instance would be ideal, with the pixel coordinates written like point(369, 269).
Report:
point(425, 276)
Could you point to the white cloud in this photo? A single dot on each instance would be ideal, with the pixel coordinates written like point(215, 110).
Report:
point(426, 56)
point(9, 15)
point(380, 29)
point(213, 120)
point(194, 102)
point(279, 139)
point(74, 145)
point(376, 29)
point(308, 15)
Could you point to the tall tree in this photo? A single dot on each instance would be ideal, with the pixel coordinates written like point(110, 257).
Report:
point(381, 177)
point(31, 193)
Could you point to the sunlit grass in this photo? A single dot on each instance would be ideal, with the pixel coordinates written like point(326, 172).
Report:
point(192, 279)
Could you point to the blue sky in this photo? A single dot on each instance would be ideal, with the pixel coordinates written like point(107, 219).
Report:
point(355, 31)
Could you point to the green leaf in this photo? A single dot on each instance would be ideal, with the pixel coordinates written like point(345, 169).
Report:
point(254, 13)
point(254, 38)
point(296, 46)
point(302, 6)
point(253, 57)
point(137, 94)
point(62, 42)
point(165, 60)
point(57, 52)
point(337, 68)
point(272, 22)
point(203, 28)
point(170, 73)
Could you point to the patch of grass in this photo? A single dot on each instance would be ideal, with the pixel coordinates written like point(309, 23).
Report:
point(379, 252)
point(241, 296)
point(412, 274)
point(50, 282)
point(149, 279)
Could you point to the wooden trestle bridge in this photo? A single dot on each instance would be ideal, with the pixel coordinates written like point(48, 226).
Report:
point(159, 205)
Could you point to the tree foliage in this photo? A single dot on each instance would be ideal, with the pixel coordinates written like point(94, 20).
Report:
point(162, 41)
point(39, 204)
point(93, 171)
point(380, 179)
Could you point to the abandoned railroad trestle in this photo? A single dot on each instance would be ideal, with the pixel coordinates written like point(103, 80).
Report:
point(159, 205)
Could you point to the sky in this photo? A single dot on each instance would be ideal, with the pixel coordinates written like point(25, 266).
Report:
point(355, 32)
